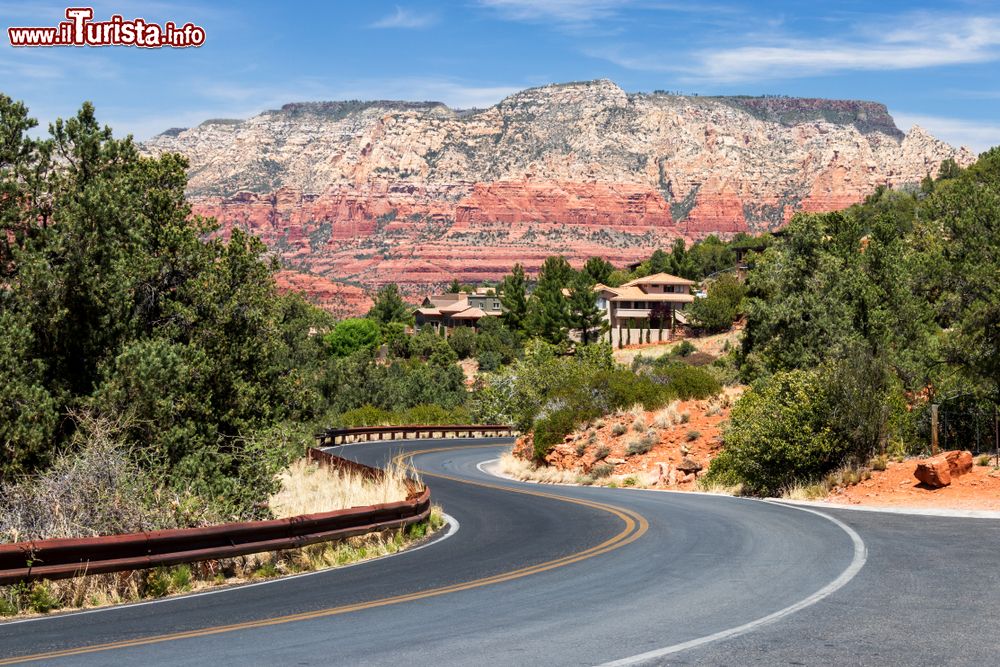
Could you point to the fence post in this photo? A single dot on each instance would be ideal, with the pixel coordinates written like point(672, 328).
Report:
point(934, 429)
point(996, 433)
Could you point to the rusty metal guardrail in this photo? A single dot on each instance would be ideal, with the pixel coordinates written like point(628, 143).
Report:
point(343, 436)
point(64, 558)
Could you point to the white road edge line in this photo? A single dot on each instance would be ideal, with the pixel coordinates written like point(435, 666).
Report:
point(453, 527)
point(858, 562)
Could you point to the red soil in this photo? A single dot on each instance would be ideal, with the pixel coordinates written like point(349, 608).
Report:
point(695, 438)
point(896, 486)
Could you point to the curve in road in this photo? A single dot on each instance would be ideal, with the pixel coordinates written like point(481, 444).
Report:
point(572, 575)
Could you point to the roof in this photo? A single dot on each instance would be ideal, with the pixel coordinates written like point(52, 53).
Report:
point(658, 279)
point(428, 311)
point(629, 292)
point(443, 299)
point(469, 314)
point(455, 307)
point(633, 293)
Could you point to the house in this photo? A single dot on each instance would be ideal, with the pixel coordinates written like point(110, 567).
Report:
point(443, 312)
point(654, 302)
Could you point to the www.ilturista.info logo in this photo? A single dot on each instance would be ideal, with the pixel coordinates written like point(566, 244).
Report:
point(80, 30)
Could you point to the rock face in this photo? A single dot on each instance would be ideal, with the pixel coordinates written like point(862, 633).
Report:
point(939, 470)
point(417, 193)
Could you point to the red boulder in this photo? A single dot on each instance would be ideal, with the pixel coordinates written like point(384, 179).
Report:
point(934, 472)
point(939, 470)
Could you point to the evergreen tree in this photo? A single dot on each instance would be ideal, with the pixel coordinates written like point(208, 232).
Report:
point(455, 286)
point(548, 309)
point(389, 306)
point(598, 269)
point(583, 311)
point(514, 299)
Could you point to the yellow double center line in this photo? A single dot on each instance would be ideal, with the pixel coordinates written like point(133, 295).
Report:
point(635, 526)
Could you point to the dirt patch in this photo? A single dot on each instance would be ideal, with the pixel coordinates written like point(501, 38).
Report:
point(711, 345)
point(897, 487)
point(470, 369)
point(671, 447)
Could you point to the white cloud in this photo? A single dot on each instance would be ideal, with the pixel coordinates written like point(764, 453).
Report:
point(921, 41)
point(405, 18)
point(977, 136)
point(560, 11)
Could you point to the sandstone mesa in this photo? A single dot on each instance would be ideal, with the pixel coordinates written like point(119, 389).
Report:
point(357, 194)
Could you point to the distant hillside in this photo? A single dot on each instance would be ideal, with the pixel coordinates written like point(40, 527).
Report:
point(415, 192)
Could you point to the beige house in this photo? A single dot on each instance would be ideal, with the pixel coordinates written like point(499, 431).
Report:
point(654, 302)
point(444, 312)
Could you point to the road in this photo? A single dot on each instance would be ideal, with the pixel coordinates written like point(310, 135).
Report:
point(582, 576)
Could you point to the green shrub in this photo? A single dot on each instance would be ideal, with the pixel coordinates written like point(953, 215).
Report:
point(601, 470)
point(463, 341)
point(601, 452)
point(641, 445)
point(488, 360)
point(693, 435)
point(778, 435)
point(366, 415)
point(553, 429)
point(180, 578)
point(683, 349)
point(7, 607)
point(618, 429)
point(157, 583)
point(351, 335)
point(717, 311)
point(41, 599)
point(686, 382)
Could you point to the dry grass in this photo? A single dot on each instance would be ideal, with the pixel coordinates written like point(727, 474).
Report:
point(719, 488)
point(526, 471)
point(307, 488)
point(668, 416)
point(805, 492)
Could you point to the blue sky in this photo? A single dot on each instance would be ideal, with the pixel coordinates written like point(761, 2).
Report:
point(936, 64)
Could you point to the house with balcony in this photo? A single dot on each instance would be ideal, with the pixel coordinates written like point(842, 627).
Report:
point(654, 303)
point(444, 312)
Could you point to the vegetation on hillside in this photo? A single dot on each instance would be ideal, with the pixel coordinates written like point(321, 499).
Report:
point(858, 320)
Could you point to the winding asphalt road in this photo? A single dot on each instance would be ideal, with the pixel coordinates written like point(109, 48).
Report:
point(541, 575)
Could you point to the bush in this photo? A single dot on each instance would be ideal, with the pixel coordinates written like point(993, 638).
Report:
point(366, 415)
point(41, 599)
point(463, 341)
point(778, 435)
point(601, 470)
point(717, 311)
point(488, 361)
point(98, 490)
point(618, 429)
point(686, 382)
point(553, 429)
point(642, 445)
point(351, 335)
point(683, 349)
point(601, 452)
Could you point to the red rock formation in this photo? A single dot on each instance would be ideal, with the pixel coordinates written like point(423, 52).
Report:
point(365, 193)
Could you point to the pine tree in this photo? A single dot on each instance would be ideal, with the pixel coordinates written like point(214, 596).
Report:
point(514, 299)
point(548, 309)
point(583, 311)
point(389, 306)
